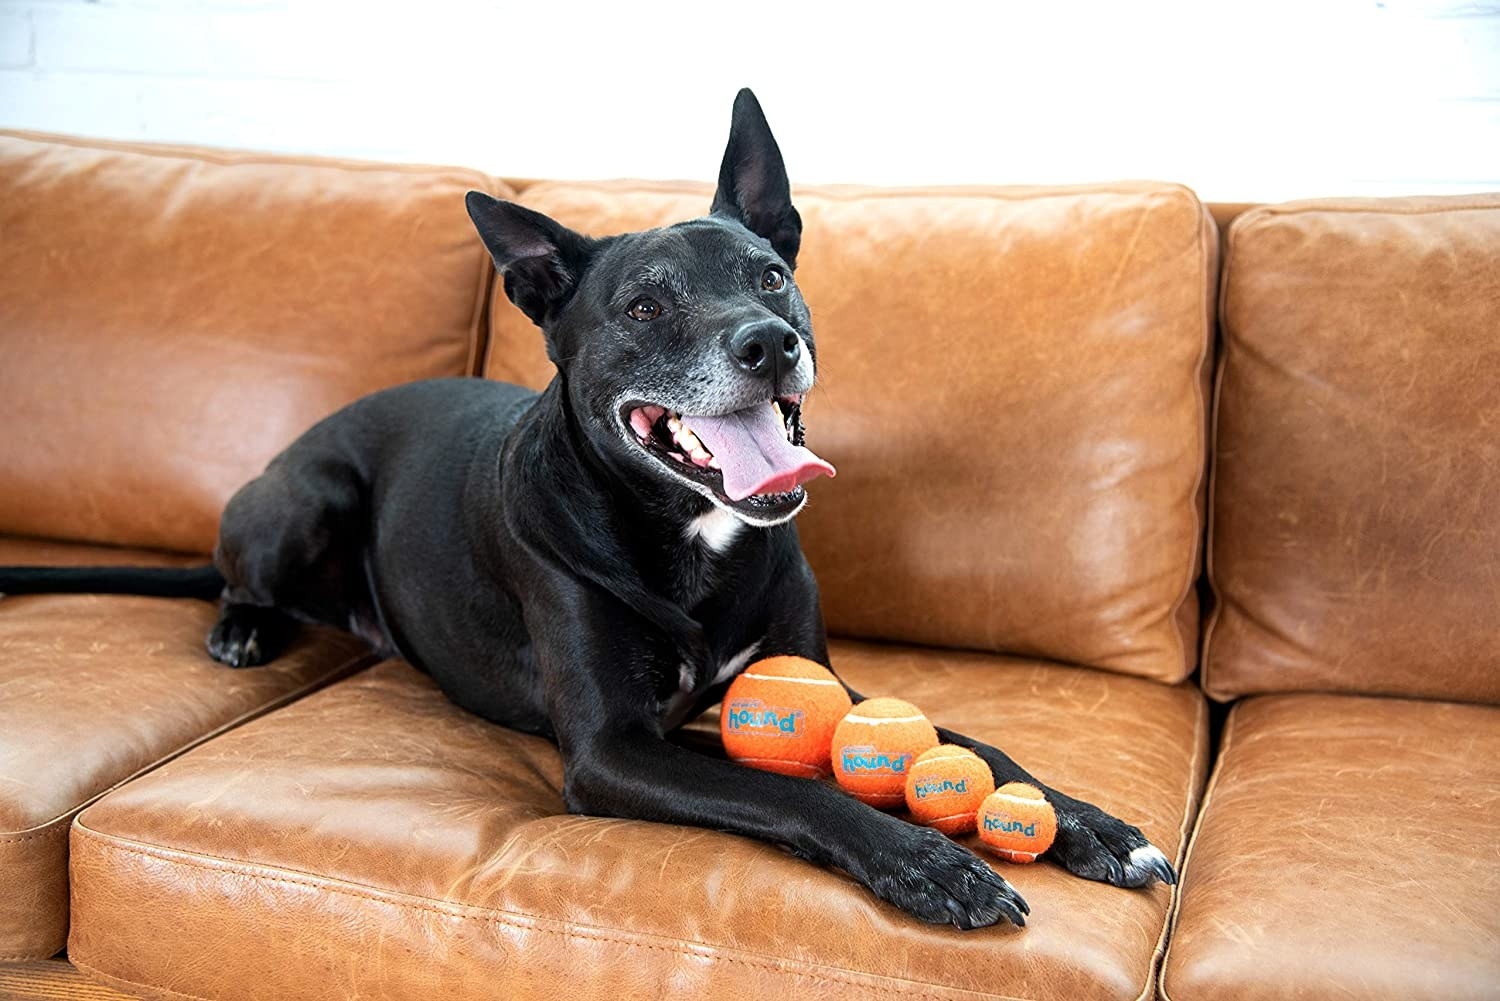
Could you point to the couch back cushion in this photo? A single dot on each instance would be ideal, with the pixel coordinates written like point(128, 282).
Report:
point(171, 318)
point(1011, 386)
point(1355, 543)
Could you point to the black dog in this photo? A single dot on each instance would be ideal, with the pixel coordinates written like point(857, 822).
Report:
point(594, 563)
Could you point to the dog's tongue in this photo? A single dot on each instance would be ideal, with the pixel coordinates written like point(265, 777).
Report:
point(753, 452)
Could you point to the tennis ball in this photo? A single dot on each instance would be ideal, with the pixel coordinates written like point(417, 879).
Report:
point(779, 715)
point(874, 747)
point(945, 787)
point(1017, 822)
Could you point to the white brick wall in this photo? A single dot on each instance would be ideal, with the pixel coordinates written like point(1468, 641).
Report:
point(1245, 100)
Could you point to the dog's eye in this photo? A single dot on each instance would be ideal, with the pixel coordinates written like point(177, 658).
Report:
point(773, 280)
point(643, 309)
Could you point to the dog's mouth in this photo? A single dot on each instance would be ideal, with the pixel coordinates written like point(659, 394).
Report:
point(752, 459)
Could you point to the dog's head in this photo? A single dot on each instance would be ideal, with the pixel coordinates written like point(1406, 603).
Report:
point(686, 351)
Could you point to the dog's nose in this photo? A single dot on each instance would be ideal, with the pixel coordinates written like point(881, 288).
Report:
point(767, 348)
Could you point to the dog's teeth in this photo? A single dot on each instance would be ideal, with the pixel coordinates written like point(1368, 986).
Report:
point(702, 459)
point(713, 462)
point(777, 407)
point(689, 441)
point(674, 425)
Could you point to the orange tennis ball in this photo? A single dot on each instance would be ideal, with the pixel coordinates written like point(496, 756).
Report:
point(945, 787)
point(1017, 822)
point(874, 748)
point(779, 715)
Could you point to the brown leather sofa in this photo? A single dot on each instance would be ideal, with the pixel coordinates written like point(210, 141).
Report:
point(1019, 389)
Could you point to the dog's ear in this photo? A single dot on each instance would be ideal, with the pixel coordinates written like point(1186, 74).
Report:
point(753, 187)
point(540, 260)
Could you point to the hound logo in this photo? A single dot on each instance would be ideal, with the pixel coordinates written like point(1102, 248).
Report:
point(755, 717)
point(868, 761)
point(1007, 826)
point(931, 788)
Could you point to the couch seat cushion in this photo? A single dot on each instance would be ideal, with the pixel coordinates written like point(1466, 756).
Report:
point(1346, 849)
point(375, 841)
point(95, 690)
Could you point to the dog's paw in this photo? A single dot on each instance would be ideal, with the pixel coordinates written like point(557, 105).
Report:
point(235, 643)
point(941, 882)
point(1092, 844)
point(247, 636)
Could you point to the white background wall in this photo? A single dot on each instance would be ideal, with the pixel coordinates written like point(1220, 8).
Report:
point(1243, 100)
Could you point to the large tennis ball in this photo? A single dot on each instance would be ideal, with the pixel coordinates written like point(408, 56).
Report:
point(1017, 822)
point(874, 748)
point(779, 715)
point(945, 787)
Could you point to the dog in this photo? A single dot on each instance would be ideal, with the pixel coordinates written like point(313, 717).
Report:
point(596, 562)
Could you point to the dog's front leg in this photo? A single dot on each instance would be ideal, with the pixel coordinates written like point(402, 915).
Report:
point(1090, 843)
point(624, 770)
point(602, 670)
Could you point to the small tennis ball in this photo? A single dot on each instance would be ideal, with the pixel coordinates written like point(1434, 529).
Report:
point(1017, 822)
point(945, 787)
point(874, 747)
point(779, 715)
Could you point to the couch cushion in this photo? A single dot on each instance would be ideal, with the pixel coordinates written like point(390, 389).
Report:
point(1355, 537)
point(1346, 849)
point(373, 840)
point(171, 318)
point(95, 690)
point(1011, 387)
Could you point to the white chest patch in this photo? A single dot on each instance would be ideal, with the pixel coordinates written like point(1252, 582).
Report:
point(716, 529)
point(688, 687)
point(734, 665)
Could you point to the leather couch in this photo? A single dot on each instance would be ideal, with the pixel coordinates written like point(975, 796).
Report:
point(1095, 485)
